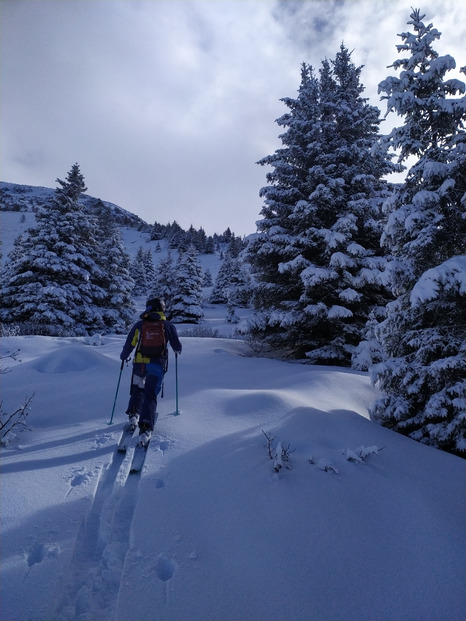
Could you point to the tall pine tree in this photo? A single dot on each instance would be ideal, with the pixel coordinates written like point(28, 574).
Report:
point(186, 302)
point(117, 306)
point(164, 283)
point(277, 291)
point(422, 377)
point(318, 260)
point(138, 274)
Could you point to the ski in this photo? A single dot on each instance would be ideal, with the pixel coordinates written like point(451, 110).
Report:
point(126, 437)
point(139, 457)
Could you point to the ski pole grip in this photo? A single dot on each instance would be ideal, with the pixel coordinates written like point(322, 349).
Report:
point(122, 365)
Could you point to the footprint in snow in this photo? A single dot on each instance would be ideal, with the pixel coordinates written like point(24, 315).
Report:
point(79, 476)
point(162, 443)
point(103, 440)
point(39, 551)
point(165, 568)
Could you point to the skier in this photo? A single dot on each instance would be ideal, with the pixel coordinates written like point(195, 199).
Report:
point(148, 372)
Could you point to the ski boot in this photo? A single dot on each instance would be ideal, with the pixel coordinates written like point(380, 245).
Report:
point(133, 420)
point(145, 434)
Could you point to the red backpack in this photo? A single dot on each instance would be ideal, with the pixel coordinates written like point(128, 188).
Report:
point(152, 343)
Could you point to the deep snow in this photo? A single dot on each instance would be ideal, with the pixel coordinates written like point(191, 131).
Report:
point(209, 530)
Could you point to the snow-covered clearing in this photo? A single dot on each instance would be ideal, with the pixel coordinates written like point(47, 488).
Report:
point(365, 524)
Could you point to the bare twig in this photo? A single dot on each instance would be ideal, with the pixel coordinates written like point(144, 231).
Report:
point(269, 444)
point(7, 354)
point(279, 455)
point(16, 420)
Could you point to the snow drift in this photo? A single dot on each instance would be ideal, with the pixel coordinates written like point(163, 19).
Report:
point(359, 523)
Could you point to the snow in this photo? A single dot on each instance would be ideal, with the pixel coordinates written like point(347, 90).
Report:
point(359, 523)
point(448, 275)
point(337, 312)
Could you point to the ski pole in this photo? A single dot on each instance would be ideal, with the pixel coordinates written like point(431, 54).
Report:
point(176, 385)
point(116, 394)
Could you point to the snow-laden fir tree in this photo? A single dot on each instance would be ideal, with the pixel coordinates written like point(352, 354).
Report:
point(340, 224)
point(317, 256)
point(118, 307)
point(53, 281)
point(207, 280)
point(240, 288)
point(235, 246)
point(165, 281)
point(277, 291)
point(149, 269)
point(219, 293)
point(422, 378)
point(186, 303)
point(233, 283)
point(139, 274)
point(176, 236)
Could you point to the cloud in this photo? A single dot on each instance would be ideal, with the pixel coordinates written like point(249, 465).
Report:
point(168, 104)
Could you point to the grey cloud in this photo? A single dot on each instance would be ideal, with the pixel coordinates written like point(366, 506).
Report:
point(168, 105)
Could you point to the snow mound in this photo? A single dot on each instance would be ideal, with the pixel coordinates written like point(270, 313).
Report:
point(68, 360)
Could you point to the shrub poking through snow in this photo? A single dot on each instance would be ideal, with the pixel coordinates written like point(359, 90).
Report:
point(325, 464)
point(16, 420)
point(280, 453)
point(9, 423)
point(360, 454)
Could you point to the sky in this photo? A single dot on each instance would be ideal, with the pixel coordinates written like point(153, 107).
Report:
point(167, 105)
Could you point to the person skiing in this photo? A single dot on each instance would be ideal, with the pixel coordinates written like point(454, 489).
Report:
point(150, 364)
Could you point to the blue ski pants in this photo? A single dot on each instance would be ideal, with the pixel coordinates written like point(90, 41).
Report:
point(144, 391)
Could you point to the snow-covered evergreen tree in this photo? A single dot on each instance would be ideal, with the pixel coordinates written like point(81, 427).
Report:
point(422, 377)
point(317, 256)
point(219, 293)
point(207, 280)
point(176, 237)
point(165, 281)
point(235, 246)
point(209, 245)
point(53, 281)
point(341, 223)
point(149, 269)
point(138, 273)
point(187, 298)
point(240, 287)
point(278, 291)
point(233, 282)
point(231, 317)
point(118, 308)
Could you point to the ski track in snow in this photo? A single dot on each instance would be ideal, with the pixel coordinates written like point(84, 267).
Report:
point(92, 582)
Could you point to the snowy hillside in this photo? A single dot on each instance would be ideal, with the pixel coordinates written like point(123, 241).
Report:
point(25, 198)
point(364, 524)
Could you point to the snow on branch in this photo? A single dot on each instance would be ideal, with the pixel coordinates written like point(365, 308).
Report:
point(360, 454)
point(339, 312)
point(324, 463)
point(448, 275)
